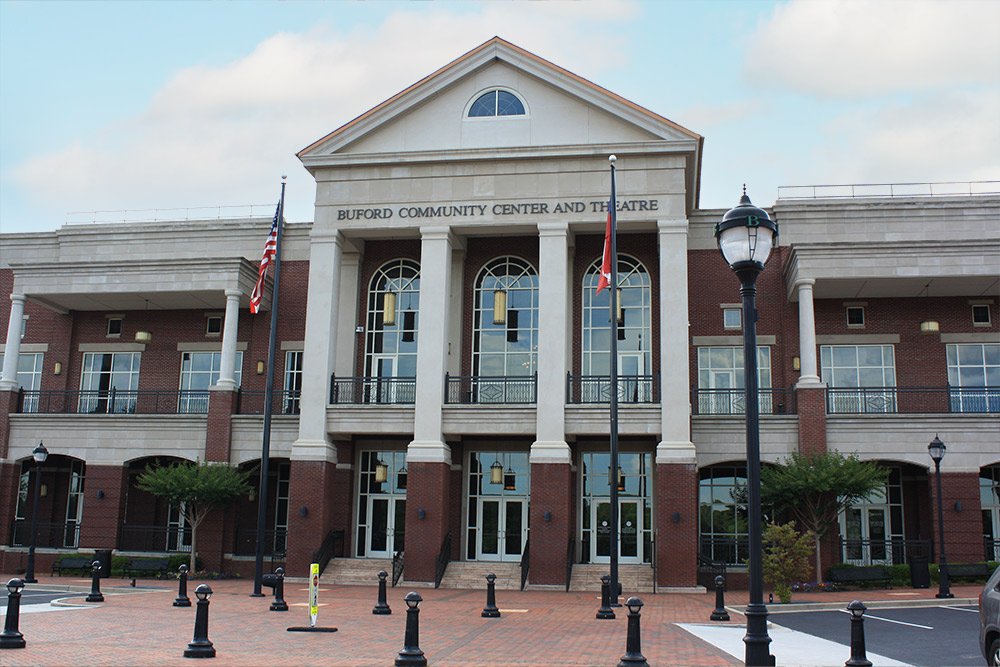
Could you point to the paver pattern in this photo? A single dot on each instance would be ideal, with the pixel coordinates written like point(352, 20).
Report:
point(141, 627)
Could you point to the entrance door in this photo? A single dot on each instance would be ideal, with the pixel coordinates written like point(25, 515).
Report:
point(630, 388)
point(383, 389)
point(178, 533)
point(866, 540)
point(387, 517)
point(629, 531)
point(504, 528)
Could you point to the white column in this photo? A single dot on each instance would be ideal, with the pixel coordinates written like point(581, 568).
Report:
point(230, 331)
point(807, 333)
point(325, 253)
point(553, 262)
point(428, 444)
point(675, 398)
point(8, 380)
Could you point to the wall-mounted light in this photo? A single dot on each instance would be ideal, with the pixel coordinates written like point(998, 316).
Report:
point(381, 472)
point(57, 369)
point(303, 511)
point(100, 494)
point(389, 309)
point(796, 364)
point(496, 472)
point(930, 327)
point(359, 329)
point(677, 517)
point(260, 368)
point(43, 490)
point(958, 505)
point(143, 336)
point(547, 515)
point(499, 307)
point(421, 514)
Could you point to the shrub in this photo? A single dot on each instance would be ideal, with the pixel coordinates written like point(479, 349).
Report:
point(786, 558)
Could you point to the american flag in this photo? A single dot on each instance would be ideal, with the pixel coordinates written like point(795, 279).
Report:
point(269, 248)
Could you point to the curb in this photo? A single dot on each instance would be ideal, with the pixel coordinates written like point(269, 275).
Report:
point(874, 604)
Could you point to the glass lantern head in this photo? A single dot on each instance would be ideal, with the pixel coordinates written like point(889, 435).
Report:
point(203, 592)
point(936, 449)
point(746, 234)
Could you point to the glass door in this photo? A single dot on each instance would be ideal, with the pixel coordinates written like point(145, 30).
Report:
point(629, 530)
point(381, 509)
point(630, 388)
point(866, 539)
point(382, 390)
point(178, 535)
point(388, 523)
point(503, 532)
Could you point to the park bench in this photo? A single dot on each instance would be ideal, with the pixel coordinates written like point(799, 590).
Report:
point(970, 570)
point(140, 566)
point(84, 565)
point(861, 575)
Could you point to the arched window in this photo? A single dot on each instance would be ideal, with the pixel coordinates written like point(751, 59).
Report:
point(497, 103)
point(391, 334)
point(634, 315)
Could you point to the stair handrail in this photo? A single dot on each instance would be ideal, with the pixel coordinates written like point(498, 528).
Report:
point(570, 552)
point(443, 558)
point(652, 545)
point(327, 548)
point(525, 563)
point(397, 567)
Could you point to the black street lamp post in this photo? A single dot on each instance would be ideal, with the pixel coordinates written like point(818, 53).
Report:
point(936, 449)
point(746, 236)
point(40, 454)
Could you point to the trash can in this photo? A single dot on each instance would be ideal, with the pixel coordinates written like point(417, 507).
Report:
point(103, 556)
point(920, 573)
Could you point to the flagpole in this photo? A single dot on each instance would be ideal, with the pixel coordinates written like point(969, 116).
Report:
point(613, 310)
point(265, 452)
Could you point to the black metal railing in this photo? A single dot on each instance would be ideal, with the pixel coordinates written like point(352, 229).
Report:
point(908, 400)
point(156, 539)
point(525, 563)
point(443, 558)
point(597, 388)
point(274, 543)
point(115, 402)
point(894, 551)
point(771, 401)
point(727, 550)
point(373, 390)
point(570, 553)
point(652, 558)
point(47, 535)
point(331, 547)
point(708, 570)
point(283, 402)
point(490, 389)
point(397, 567)
point(991, 548)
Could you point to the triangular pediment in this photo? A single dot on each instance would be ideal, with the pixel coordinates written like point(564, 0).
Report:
point(562, 109)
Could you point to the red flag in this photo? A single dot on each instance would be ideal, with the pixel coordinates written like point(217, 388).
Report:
point(605, 278)
point(269, 248)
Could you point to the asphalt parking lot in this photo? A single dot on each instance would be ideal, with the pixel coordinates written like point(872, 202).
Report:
point(927, 637)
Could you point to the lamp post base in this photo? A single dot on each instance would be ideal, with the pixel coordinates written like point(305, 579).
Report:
point(757, 640)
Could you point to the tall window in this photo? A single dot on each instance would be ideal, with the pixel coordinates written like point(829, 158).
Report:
point(723, 513)
point(199, 371)
point(974, 377)
point(391, 340)
point(29, 376)
point(872, 530)
point(989, 498)
point(721, 381)
point(635, 509)
point(634, 326)
point(109, 382)
point(860, 378)
point(74, 505)
point(506, 331)
point(293, 382)
point(496, 103)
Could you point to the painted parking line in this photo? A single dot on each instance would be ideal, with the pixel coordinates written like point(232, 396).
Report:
point(891, 620)
point(971, 611)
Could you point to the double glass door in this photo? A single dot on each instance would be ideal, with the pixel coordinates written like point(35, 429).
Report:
point(503, 529)
point(387, 517)
point(866, 535)
point(630, 531)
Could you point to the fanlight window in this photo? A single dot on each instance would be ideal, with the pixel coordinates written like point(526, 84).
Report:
point(634, 315)
point(393, 307)
point(496, 103)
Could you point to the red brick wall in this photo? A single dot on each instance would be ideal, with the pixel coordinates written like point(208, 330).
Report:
point(316, 486)
point(676, 543)
point(8, 404)
point(963, 530)
point(103, 516)
point(219, 432)
point(811, 407)
point(551, 491)
point(427, 489)
point(10, 474)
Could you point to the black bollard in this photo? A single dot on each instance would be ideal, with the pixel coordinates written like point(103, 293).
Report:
point(605, 611)
point(182, 587)
point(411, 655)
point(858, 657)
point(633, 644)
point(279, 603)
point(11, 637)
point(200, 646)
point(381, 607)
point(720, 613)
point(490, 610)
point(95, 583)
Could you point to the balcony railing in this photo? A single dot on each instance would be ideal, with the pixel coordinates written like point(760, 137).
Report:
point(275, 540)
point(935, 400)
point(491, 389)
point(724, 550)
point(47, 535)
point(373, 390)
point(283, 402)
point(155, 539)
point(770, 401)
point(991, 548)
point(597, 388)
point(894, 551)
point(117, 402)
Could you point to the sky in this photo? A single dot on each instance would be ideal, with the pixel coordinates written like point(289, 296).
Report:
point(114, 106)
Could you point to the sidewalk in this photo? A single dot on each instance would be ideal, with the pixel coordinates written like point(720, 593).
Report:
point(139, 626)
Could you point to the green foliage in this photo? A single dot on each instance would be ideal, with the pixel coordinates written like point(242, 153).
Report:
point(900, 576)
point(118, 564)
point(174, 561)
point(786, 558)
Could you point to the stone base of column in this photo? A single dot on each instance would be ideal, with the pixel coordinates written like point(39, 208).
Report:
point(428, 492)
point(552, 521)
point(676, 524)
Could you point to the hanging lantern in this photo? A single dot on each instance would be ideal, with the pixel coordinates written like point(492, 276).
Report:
point(499, 307)
point(381, 472)
point(619, 313)
point(509, 480)
point(621, 479)
point(496, 473)
point(389, 309)
point(401, 478)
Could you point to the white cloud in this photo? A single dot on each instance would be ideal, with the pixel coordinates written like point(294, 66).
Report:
point(835, 48)
point(223, 135)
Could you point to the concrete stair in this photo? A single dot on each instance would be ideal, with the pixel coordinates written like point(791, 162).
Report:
point(356, 571)
point(472, 575)
point(634, 578)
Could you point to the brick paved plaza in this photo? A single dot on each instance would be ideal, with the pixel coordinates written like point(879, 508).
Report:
point(141, 627)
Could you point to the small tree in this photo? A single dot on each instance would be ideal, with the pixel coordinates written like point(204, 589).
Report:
point(786, 557)
point(816, 488)
point(195, 489)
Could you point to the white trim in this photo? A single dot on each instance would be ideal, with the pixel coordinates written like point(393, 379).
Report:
point(858, 339)
point(27, 348)
point(112, 347)
point(208, 347)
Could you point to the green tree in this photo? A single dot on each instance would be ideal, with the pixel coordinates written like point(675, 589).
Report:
point(195, 489)
point(817, 487)
point(786, 557)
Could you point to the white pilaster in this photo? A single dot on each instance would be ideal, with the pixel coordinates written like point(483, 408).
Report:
point(675, 400)
point(8, 379)
point(428, 444)
point(550, 415)
point(808, 375)
point(230, 331)
point(325, 253)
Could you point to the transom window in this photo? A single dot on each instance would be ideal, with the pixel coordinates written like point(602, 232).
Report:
point(506, 341)
point(496, 103)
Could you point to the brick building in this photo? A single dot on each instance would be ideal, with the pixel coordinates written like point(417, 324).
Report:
point(442, 382)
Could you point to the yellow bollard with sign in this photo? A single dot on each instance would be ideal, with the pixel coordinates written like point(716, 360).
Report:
point(313, 603)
